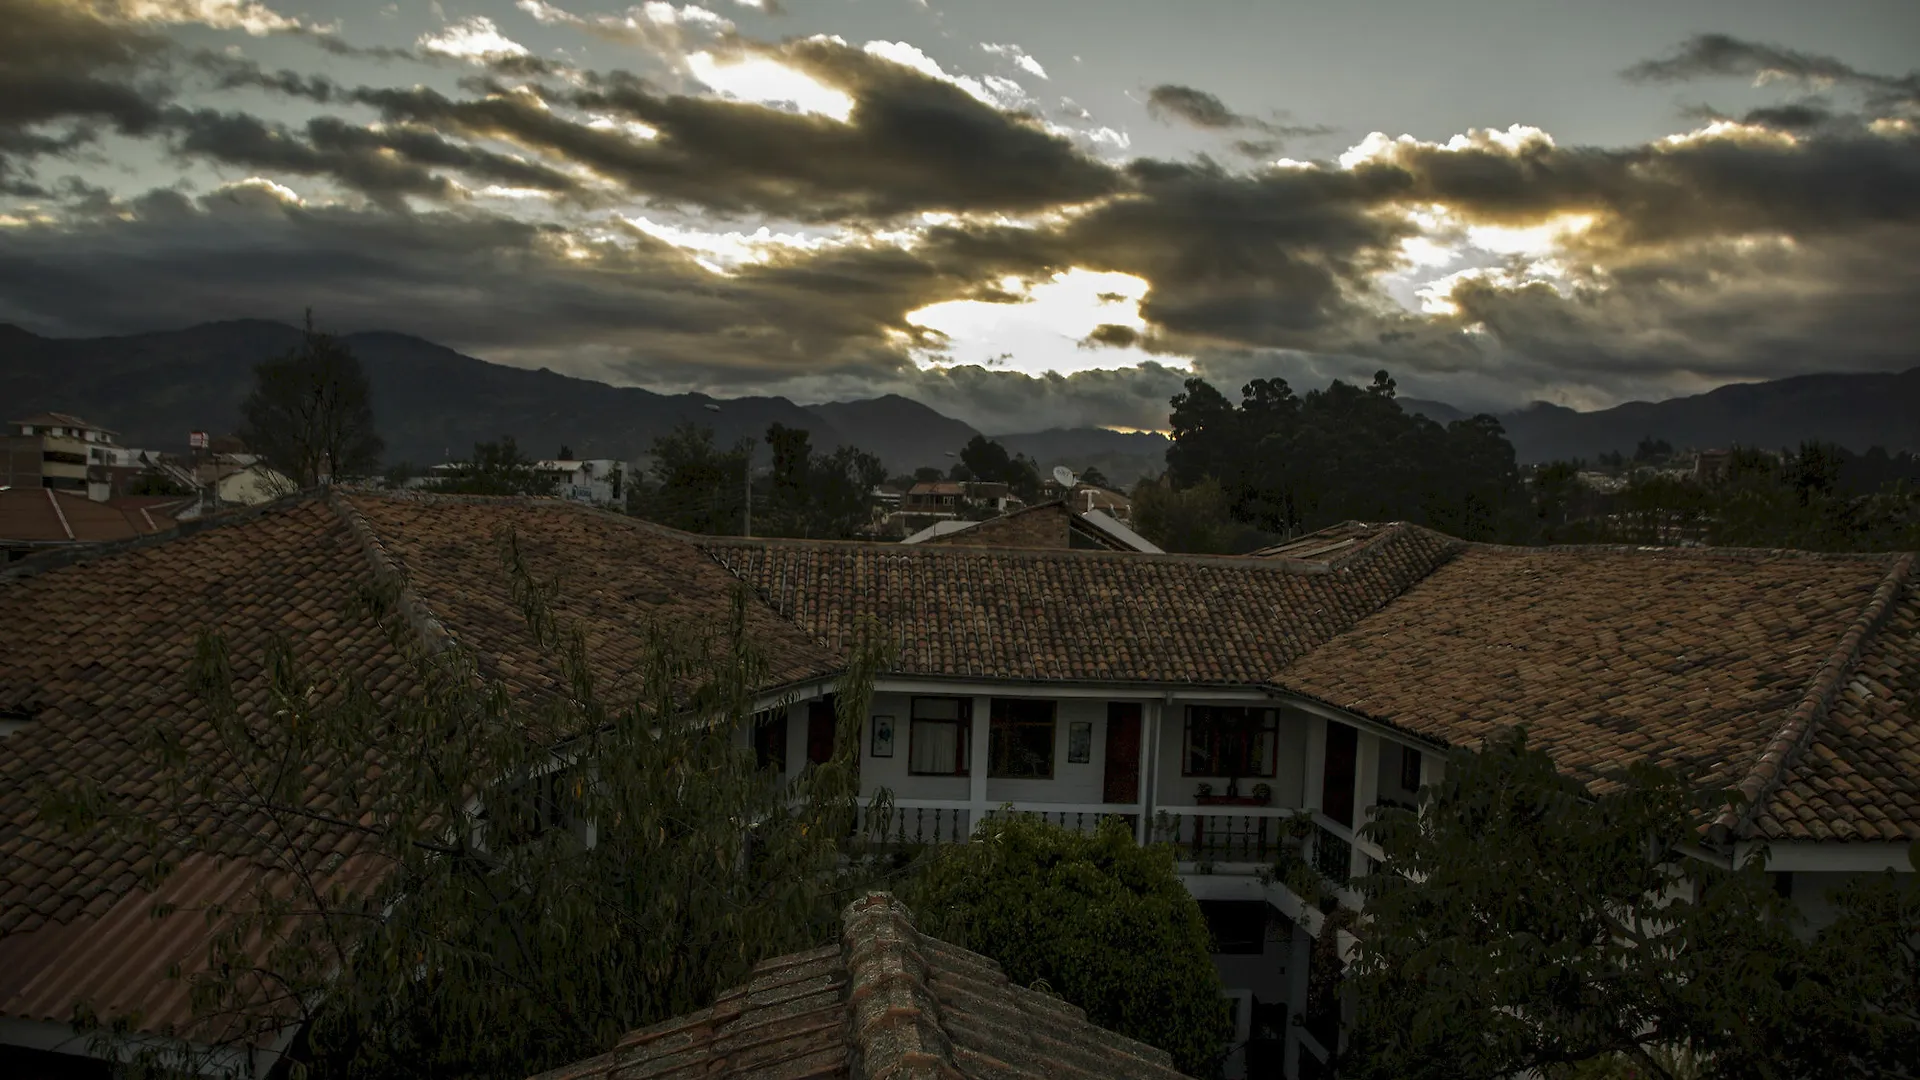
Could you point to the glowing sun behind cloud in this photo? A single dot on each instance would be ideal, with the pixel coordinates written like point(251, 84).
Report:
point(1045, 329)
point(765, 81)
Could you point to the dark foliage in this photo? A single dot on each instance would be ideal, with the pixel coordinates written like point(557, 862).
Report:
point(310, 415)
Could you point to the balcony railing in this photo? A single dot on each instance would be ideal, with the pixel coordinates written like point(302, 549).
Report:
point(1243, 835)
point(1332, 856)
point(1253, 834)
point(919, 822)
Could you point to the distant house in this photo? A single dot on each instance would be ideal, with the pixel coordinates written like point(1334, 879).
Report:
point(596, 481)
point(935, 497)
point(1711, 465)
point(1049, 525)
point(58, 451)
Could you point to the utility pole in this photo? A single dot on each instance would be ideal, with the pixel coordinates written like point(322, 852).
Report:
point(746, 473)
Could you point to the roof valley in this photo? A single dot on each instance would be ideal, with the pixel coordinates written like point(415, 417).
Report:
point(1784, 749)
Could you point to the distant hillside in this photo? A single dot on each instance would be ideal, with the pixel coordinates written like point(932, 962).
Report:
point(906, 434)
point(432, 403)
point(429, 401)
point(1857, 411)
point(1436, 411)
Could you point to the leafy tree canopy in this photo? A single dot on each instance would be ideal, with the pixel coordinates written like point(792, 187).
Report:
point(1095, 918)
point(496, 468)
point(1289, 463)
point(310, 413)
point(1818, 497)
point(1556, 931)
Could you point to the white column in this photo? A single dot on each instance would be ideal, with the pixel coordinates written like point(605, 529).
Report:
point(1149, 768)
point(1316, 777)
point(1366, 789)
point(977, 761)
point(1300, 954)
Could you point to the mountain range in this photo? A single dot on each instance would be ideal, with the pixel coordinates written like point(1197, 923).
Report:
point(433, 403)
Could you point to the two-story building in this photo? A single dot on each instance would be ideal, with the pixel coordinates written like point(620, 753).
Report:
point(1230, 706)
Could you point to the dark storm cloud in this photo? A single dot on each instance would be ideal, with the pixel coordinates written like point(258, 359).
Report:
point(67, 68)
point(235, 72)
point(911, 143)
point(1270, 259)
point(1708, 55)
point(384, 165)
point(1204, 110)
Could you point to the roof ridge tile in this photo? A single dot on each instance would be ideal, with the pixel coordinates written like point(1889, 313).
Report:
point(389, 571)
point(894, 1021)
point(1771, 765)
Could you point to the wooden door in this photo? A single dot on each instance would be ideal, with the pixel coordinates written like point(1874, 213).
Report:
point(1123, 753)
point(820, 725)
point(1336, 787)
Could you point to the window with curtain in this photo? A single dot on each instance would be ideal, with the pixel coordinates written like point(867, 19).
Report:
point(937, 737)
point(1020, 739)
point(1231, 740)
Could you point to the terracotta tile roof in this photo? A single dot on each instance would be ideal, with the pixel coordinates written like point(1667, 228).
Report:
point(1858, 777)
point(1716, 661)
point(96, 652)
point(99, 648)
point(615, 574)
point(1078, 615)
point(885, 1004)
point(34, 516)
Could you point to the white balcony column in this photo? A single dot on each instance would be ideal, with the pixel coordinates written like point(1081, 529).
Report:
point(1149, 769)
point(1366, 790)
point(1299, 955)
point(1313, 785)
point(977, 762)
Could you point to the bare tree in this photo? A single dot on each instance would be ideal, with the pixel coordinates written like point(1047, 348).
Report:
point(310, 415)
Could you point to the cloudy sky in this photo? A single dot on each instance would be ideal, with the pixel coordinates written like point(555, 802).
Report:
point(1026, 213)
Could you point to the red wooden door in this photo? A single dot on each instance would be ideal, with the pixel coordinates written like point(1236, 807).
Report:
point(1123, 752)
point(1336, 787)
point(820, 724)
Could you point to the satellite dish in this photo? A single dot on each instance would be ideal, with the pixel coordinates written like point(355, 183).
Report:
point(1063, 476)
point(711, 407)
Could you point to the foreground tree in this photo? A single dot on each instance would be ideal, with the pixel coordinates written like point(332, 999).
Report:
point(1099, 920)
point(438, 909)
point(310, 414)
point(1558, 932)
